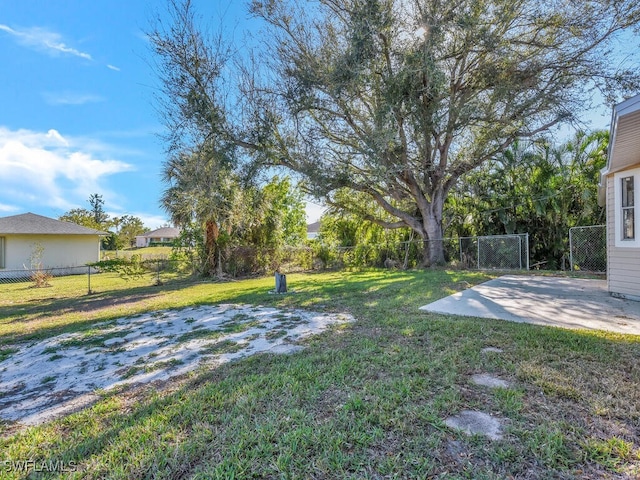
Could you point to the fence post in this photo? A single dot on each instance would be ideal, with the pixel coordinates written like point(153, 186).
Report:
point(158, 272)
point(89, 277)
point(478, 244)
point(527, 237)
point(520, 251)
point(571, 249)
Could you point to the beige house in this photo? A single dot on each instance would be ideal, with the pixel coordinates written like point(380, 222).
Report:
point(161, 236)
point(620, 189)
point(57, 244)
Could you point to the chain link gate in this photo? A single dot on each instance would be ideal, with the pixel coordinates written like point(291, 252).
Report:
point(588, 248)
point(495, 252)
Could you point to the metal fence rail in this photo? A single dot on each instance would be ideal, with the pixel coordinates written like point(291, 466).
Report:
point(145, 272)
point(29, 274)
point(495, 252)
point(588, 248)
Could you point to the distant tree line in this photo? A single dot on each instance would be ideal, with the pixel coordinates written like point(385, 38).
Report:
point(122, 230)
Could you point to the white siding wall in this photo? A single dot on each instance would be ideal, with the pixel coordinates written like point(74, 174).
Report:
point(59, 250)
point(623, 264)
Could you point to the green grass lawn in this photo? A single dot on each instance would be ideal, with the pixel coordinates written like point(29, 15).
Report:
point(145, 253)
point(365, 400)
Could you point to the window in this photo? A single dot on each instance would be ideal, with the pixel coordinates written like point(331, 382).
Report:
point(628, 210)
point(626, 217)
point(1, 252)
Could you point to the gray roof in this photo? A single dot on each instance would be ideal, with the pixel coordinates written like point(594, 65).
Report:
point(164, 232)
point(313, 227)
point(32, 224)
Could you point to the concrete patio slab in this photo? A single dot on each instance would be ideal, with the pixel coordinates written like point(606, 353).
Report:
point(552, 301)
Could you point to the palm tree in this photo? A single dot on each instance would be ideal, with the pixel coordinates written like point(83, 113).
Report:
point(203, 188)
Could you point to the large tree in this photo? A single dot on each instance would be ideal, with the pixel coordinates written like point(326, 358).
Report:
point(397, 99)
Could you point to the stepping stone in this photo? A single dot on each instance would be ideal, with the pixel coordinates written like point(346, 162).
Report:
point(492, 349)
point(476, 423)
point(487, 380)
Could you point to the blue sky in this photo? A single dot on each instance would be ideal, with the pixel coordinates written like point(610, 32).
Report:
point(77, 114)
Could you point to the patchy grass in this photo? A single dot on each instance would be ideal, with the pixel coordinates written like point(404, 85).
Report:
point(6, 353)
point(366, 400)
point(200, 333)
point(225, 346)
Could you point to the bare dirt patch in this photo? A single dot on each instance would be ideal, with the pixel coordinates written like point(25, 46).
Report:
point(49, 378)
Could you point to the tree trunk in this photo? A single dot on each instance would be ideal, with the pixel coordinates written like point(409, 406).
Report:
point(211, 245)
point(434, 246)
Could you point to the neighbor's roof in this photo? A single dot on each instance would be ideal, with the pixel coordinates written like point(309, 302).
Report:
point(164, 232)
point(32, 224)
point(313, 227)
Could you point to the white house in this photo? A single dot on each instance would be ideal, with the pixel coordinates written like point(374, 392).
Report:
point(312, 230)
point(60, 244)
point(161, 236)
point(620, 190)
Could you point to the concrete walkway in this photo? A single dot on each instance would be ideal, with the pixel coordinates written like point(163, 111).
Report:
point(553, 301)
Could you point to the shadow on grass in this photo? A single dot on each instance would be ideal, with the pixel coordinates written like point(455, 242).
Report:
point(30, 312)
point(352, 292)
point(367, 400)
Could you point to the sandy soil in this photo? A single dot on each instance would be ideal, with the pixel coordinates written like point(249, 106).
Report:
point(52, 377)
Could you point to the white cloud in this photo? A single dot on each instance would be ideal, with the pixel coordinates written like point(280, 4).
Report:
point(8, 208)
point(43, 40)
point(113, 67)
point(71, 98)
point(50, 170)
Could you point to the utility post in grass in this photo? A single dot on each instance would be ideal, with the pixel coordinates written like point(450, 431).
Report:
point(281, 282)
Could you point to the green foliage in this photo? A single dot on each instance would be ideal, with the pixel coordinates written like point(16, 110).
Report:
point(350, 240)
point(128, 227)
point(260, 228)
point(122, 230)
point(112, 242)
point(97, 209)
point(536, 188)
point(80, 216)
point(610, 453)
point(126, 268)
point(398, 100)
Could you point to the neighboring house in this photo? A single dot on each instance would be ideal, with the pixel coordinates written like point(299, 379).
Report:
point(161, 236)
point(620, 191)
point(312, 230)
point(58, 244)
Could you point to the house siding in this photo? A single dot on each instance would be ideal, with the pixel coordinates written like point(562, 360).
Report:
point(623, 264)
point(58, 250)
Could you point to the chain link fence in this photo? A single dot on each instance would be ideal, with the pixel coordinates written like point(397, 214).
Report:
point(492, 252)
point(495, 252)
point(588, 249)
point(145, 272)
